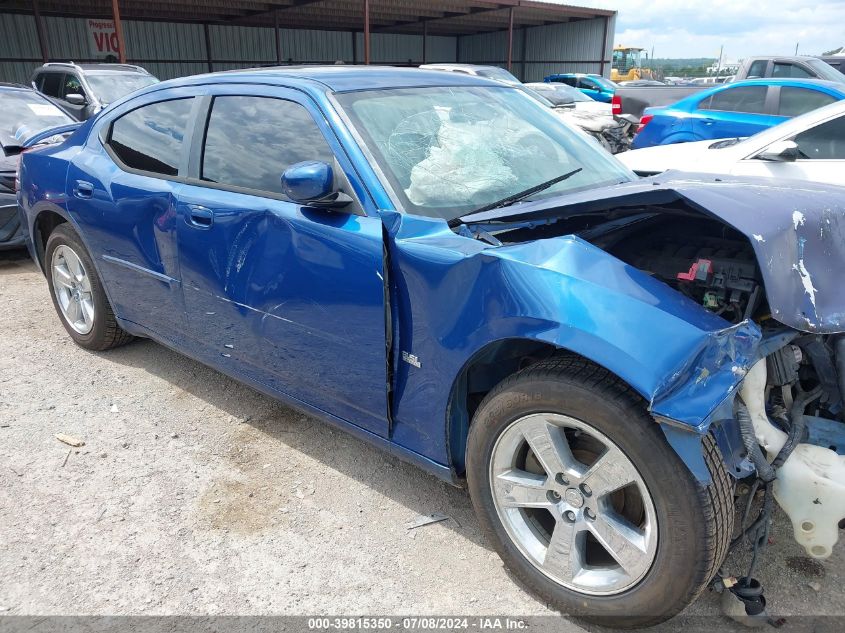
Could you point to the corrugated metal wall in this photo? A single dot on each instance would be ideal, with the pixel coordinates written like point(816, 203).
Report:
point(176, 49)
point(542, 50)
point(18, 39)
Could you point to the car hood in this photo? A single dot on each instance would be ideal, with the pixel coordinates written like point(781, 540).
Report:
point(594, 107)
point(593, 120)
point(797, 231)
point(708, 156)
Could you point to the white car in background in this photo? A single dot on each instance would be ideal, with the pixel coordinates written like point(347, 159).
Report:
point(594, 117)
point(809, 147)
point(591, 117)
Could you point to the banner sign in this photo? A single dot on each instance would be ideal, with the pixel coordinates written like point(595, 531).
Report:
point(102, 38)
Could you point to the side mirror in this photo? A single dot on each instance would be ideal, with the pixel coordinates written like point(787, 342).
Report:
point(74, 98)
point(781, 152)
point(311, 183)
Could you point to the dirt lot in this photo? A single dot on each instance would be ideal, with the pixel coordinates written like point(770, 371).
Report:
point(196, 495)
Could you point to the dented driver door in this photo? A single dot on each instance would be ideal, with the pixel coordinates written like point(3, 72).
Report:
point(290, 296)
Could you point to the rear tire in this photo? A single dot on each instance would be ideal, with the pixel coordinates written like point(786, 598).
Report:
point(562, 540)
point(78, 294)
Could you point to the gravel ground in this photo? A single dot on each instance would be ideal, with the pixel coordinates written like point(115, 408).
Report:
point(194, 494)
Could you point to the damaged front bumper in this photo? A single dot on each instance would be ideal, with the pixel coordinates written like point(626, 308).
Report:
point(809, 485)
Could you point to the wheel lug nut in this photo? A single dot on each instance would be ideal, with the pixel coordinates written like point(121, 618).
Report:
point(569, 515)
point(585, 490)
point(553, 496)
point(589, 514)
point(560, 479)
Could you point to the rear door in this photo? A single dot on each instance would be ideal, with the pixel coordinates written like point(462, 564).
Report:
point(290, 295)
point(121, 190)
point(733, 111)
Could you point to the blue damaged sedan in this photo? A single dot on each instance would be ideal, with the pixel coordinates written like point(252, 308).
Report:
point(438, 265)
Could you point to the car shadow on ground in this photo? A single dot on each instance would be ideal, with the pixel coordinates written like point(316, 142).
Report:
point(15, 261)
point(413, 488)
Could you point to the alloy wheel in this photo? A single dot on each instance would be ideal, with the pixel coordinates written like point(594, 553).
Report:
point(573, 504)
point(72, 287)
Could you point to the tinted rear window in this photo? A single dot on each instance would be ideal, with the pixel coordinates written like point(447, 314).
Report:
point(150, 137)
point(795, 101)
point(51, 83)
point(749, 99)
point(252, 140)
point(789, 70)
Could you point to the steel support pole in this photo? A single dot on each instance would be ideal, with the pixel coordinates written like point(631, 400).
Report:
point(207, 47)
point(510, 38)
point(42, 31)
point(118, 29)
point(277, 36)
point(366, 31)
point(604, 46)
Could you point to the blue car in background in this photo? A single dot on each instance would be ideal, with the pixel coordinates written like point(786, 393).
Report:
point(439, 266)
point(734, 110)
point(594, 86)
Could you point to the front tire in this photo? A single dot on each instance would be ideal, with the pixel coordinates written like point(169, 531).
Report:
point(78, 294)
point(586, 502)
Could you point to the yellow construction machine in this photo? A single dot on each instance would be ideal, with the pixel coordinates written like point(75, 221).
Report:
point(628, 64)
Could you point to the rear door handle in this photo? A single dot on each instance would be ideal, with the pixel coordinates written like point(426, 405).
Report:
point(83, 189)
point(200, 217)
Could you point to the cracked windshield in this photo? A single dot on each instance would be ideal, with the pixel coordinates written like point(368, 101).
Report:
point(450, 151)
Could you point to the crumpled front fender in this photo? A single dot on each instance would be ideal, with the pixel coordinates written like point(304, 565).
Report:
point(455, 295)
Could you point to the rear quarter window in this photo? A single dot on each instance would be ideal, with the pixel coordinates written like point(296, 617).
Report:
point(747, 99)
point(783, 70)
point(50, 83)
point(795, 101)
point(150, 138)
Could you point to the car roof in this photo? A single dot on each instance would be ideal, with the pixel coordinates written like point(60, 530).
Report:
point(104, 67)
point(337, 78)
point(466, 66)
point(5, 85)
point(799, 58)
point(803, 83)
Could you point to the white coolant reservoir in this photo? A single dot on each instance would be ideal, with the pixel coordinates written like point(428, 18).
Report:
point(811, 489)
point(810, 486)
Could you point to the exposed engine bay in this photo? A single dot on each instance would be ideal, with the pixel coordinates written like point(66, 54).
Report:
point(790, 407)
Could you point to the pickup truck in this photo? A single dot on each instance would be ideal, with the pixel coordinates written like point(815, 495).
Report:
point(632, 100)
point(793, 67)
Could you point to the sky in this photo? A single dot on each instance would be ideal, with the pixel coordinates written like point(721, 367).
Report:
point(697, 28)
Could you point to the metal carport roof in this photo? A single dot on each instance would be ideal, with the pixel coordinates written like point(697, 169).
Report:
point(437, 17)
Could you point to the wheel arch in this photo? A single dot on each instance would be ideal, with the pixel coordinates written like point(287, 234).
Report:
point(47, 218)
point(486, 368)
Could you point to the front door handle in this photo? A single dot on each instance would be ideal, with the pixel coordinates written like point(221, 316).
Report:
point(200, 217)
point(83, 189)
